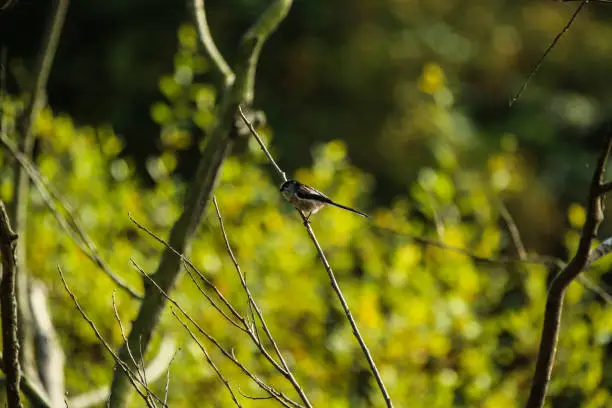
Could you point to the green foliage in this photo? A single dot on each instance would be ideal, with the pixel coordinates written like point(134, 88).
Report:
point(444, 329)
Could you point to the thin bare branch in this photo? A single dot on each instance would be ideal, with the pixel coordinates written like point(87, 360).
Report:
point(347, 312)
point(287, 371)
point(558, 287)
point(8, 300)
point(252, 397)
point(332, 278)
point(548, 50)
point(280, 172)
point(140, 372)
point(208, 359)
point(133, 379)
point(167, 386)
point(602, 250)
point(279, 396)
point(43, 69)
point(192, 268)
point(156, 368)
point(68, 223)
point(538, 259)
point(513, 230)
point(606, 188)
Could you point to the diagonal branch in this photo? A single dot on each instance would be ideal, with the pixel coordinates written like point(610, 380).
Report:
point(287, 371)
point(558, 287)
point(548, 50)
point(332, 278)
point(156, 368)
point(68, 223)
point(148, 397)
point(279, 396)
point(199, 192)
point(243, 324)
point(209, 360)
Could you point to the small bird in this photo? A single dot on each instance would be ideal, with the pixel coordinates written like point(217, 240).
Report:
point(308, 200)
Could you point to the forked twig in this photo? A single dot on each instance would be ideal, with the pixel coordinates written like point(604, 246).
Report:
point(244, 325)
point(279, 396)
point(192, 267)
point(133, 379)
point(287, 371)
point(209, 360)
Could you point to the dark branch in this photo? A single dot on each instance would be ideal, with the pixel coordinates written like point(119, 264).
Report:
point(8, 300)
point(21, 185)
point(556, 293)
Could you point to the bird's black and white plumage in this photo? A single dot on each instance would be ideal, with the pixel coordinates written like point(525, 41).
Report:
point(309, 200)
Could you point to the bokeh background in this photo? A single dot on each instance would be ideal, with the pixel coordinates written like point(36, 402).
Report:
point(399, 107)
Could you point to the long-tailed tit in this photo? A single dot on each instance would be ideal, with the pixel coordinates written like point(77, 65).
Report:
point(308, 200)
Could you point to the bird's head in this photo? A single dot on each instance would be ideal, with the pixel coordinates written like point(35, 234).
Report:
point(288, 188)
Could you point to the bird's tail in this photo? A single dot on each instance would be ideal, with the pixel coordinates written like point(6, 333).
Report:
point(349, 209)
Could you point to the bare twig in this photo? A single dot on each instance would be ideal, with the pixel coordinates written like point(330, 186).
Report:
point(192, 268)
point(513, 230)
point(244, 325)
point(280, 172)
point(208, 359)
point(538, 259)
point(279, 396)
point(548, 50)
point(287, 371)
point(156, 368)
point(558, 287)
point(140, 372)
point(349, 316)
point(34, 394)
point(332, 278)
point(252, 397)
point(132, 378)
point(167, 386)
point(8, 300)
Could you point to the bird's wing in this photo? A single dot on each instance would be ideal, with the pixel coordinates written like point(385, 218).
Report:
point(306, 192)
